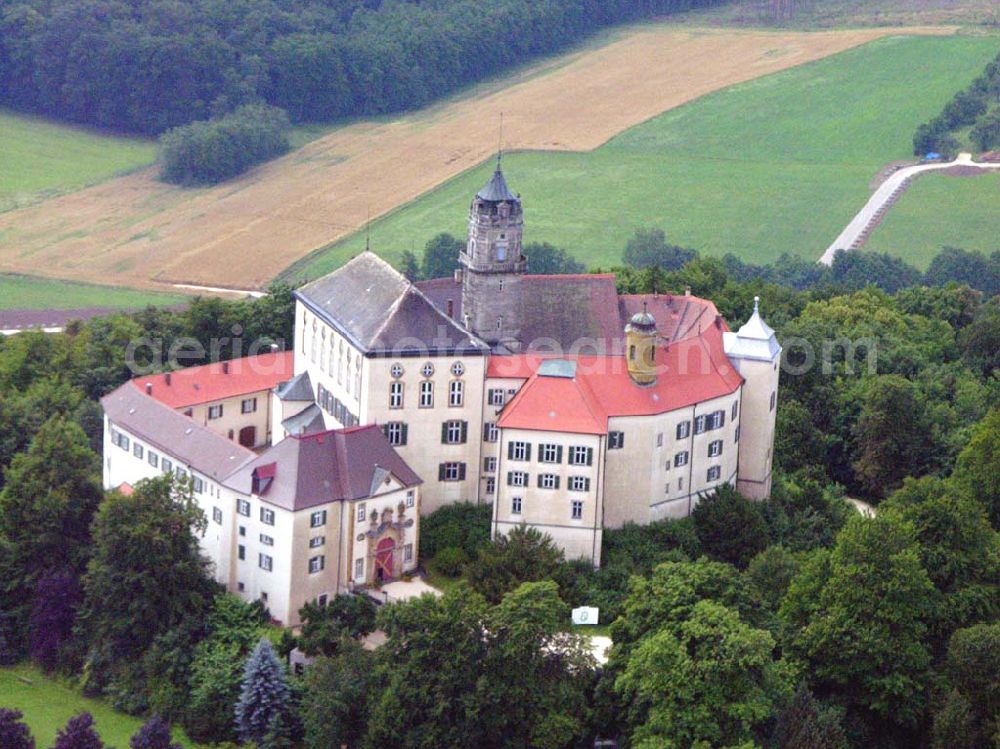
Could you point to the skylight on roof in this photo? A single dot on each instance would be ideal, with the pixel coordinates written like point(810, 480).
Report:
point(558, 368)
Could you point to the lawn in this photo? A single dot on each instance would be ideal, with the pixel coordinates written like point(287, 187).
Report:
point(28, 292)
point(779, 164)
point(40, 158)
point(48, 703)
point(938, 211)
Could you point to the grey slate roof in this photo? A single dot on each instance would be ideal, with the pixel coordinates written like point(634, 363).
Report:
point(325, 467)
point(175, 434)
point(381, 312)
point(496, 190)
point(299, 388)
point(308, 421)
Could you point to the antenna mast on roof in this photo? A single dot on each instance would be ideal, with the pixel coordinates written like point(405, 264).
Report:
point(368, 231)
point(500, 143)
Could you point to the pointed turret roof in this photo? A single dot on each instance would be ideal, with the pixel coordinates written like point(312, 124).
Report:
point(755, 340)
point(496, 190)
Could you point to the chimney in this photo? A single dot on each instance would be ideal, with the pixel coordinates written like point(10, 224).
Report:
point(166, 378)
point(451, 308)
point(225, 367)
point(718, 321)
point(458, 275)
point(149, 388)
point(687, 291)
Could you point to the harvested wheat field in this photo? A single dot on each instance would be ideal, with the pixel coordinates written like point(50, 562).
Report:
point(136, 231)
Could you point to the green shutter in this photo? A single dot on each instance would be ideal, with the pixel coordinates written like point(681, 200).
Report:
point(557, 482)
point(402, 440)
point(465, 432)
point(510, 450)
point(440, 471)
point(590, 456)
point(510, 478)
point(559, 454)
point(461, 471)
point(538, 479)
point(527, 451)
point(586, 485)
point(444, 433)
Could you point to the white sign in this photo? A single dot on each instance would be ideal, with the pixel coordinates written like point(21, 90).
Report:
point(586, 615)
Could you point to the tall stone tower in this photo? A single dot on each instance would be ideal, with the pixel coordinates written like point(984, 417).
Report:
point(493, 264)
point(640, 354)
point(756, 354)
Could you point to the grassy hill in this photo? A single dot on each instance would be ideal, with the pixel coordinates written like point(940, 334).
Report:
point(47, 704)
point(937, 211)
point(26, 292)
point(40, 158)
point(777, 164)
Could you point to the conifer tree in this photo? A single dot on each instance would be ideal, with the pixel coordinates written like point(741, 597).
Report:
point(14, 734)
point(79, 733)
point(154, 734)
point(263, 712)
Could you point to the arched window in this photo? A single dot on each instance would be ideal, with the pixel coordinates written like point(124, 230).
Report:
point(631, 353)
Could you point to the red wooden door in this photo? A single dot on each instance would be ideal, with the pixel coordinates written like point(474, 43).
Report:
point(248, 436)
point(383, 559)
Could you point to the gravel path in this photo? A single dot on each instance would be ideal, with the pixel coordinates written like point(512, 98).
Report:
point(888, 193)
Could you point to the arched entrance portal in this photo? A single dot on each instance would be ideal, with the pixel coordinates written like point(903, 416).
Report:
point(383, 559)
point(248, 436)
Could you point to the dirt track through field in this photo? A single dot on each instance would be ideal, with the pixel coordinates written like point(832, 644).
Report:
point(139, 232)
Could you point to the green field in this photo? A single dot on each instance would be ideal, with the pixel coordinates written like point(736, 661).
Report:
point(937, 211)
point(39, 158)
point(23, 292)
point(778, 164)
point(47, 704)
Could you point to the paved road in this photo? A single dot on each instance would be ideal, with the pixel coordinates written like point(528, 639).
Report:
point(857, 231)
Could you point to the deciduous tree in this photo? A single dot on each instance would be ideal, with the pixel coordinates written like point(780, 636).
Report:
point(14, 733)
point(154, 734)
point(79, 733)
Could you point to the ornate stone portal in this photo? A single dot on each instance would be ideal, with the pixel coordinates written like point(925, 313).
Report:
point(385, 545)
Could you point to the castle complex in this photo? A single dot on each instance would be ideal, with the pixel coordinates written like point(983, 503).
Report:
point(565, 405)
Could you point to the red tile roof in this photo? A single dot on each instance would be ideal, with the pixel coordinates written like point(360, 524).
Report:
point(693, 370)
point(218, 381)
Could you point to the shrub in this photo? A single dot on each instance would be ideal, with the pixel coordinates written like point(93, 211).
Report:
point(14, 734)
point(730, 527)
point(450, 561)
point(464, 526)
point(211, 151)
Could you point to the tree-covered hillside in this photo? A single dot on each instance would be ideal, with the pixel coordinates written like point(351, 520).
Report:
point(148, 65)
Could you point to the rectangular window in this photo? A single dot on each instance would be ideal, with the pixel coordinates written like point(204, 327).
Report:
point(181, 473)
point(548, 481)
point(576, 509)
point(243, 529)
point(167, 465)
point(700, 422)
point(316, 541)
point(717, 420)
point(241, 552)
point(317, 519)
point(217, 515)
point(616, 440)
point(680, 484)
point(774, 399)
point(579, 484)
point(359, 569)
point(581, 456)
point(153, 458)
point(215, 412)
point(550, 453)
point(395, 395)
point(737, 433)
point(735, 410)
point(517, 478)
point(659, 439)
point(427, 394)
point(715, 448)
point(491, 485)
point(266, 540)
point(316, 564)
point(408, 553)
point(681, 459)
point(248, 405)
point(361, 513)
point(411, 498)
point(138, 451)
point(243, 507)
point(451, 471)
point(496, 396)
point(515, 505)
point(490, 432)
point(199, 485)
point(456, 393)
point(454, 432)
point(266, 516)
point(265, 562)
point(123, 442)
point(683, 430)
point(714, 473)
point(519, 451)
point(395, 432)
point(489, 465)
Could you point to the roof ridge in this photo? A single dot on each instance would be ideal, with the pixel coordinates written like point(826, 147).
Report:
point(472, 336)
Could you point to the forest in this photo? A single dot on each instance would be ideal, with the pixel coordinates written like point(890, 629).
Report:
point(149, 65)
point(794, 623)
